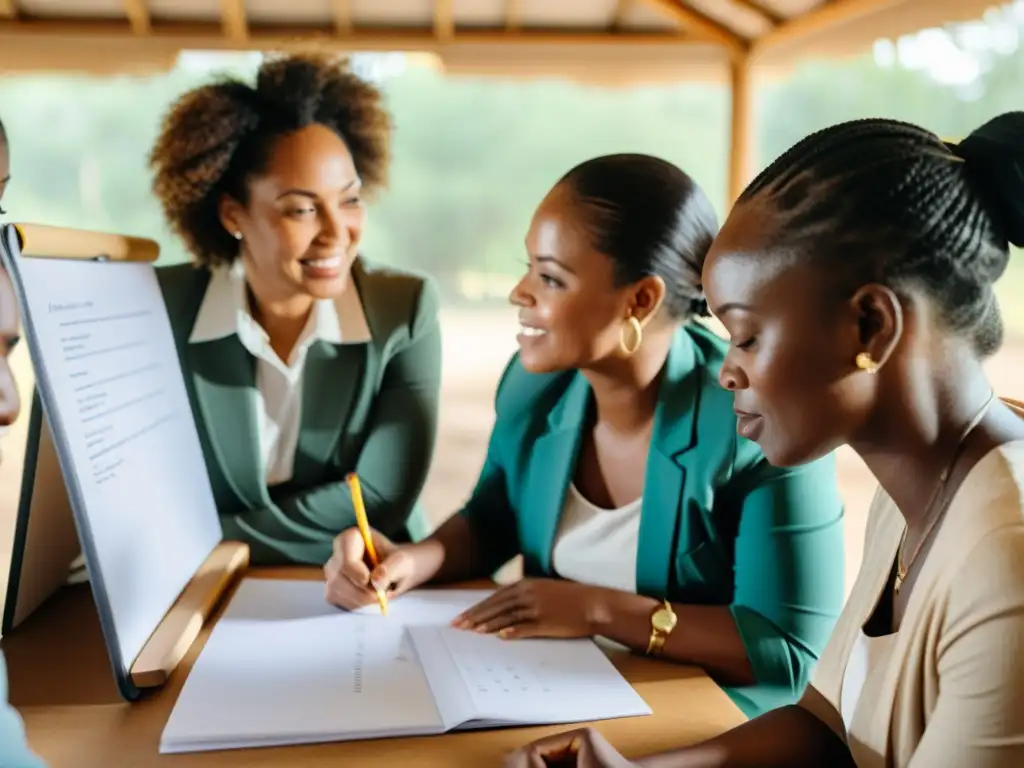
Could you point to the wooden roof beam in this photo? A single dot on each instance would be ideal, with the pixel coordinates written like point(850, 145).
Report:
point(704, 26)
point(8, 9)
point(233, 19)
point(826, 15)
point(138, 16)
point(342, 17)
point(168, 37)
point(619, 16)
point(513, 15)
point(444, 20)
point(758, 7)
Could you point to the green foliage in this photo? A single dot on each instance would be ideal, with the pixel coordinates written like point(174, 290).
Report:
point(472, 156)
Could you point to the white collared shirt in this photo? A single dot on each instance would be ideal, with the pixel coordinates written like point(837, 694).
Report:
point(225, 312)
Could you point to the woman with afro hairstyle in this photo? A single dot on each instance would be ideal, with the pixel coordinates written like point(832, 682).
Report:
point(855, 277)
point(304, 361)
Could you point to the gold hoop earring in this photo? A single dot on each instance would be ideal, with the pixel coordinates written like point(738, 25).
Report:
point(867, 363)
point(638, 335)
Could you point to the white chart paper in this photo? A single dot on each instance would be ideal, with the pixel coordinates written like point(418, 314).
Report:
point(115, 396)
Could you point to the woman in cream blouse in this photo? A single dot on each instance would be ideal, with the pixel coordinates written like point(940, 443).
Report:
point(855, 277)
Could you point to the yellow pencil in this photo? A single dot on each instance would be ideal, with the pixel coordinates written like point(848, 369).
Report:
point(364, 528)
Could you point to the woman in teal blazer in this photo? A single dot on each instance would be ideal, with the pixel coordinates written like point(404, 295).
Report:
point(303, 361)
point(614, 466)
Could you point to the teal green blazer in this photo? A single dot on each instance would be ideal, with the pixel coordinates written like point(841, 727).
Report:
point(719, 525)
point(367, 407)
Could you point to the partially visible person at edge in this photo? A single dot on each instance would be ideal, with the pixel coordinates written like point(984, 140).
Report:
point(614, 466)
point(14, 752)
point(304, 360)
point(855, 277)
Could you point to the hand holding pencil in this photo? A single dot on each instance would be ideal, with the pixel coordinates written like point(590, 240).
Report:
point(364, 530)
point(366, 566)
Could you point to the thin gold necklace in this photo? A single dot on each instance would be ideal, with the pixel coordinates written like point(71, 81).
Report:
point(901, 569)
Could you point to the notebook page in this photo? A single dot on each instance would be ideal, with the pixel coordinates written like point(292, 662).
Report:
point(451, 692)
point(528, 682)
point(284, 667)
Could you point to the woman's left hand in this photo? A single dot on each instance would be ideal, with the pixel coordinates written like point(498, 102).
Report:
point(583, 748)
point(535, 608)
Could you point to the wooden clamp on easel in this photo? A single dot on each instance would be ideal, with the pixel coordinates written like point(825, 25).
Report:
point(40, 570)
point(173, 637)
point(40, 241)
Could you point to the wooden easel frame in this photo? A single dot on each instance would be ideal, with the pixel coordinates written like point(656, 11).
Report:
point(175, 634)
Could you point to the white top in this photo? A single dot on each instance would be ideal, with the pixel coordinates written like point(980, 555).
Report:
point(225, 311)
point(597, 546)
point(868, 658)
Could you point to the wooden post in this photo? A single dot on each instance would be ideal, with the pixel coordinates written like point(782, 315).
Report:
point(741, 127)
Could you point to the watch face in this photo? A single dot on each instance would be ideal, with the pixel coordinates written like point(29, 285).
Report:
point(663, 621)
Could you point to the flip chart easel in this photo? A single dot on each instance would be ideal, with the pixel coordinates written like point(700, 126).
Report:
point(52, 518)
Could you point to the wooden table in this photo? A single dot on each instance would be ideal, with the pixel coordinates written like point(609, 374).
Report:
point(60, 681)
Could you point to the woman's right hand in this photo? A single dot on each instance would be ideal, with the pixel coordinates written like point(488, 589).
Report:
point(351, 583)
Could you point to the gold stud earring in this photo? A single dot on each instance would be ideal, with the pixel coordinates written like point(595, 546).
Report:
point(867, 363)
point(638, 336)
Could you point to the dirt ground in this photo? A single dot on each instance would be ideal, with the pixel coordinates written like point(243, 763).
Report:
point(477, 345)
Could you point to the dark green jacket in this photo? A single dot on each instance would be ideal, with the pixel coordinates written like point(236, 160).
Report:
point(366, 407)
point(719, 525)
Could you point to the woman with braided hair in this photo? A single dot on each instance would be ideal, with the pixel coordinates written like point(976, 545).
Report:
point(304, 361)
point(855, 277)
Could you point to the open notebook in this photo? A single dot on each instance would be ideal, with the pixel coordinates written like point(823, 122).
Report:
point(283, 667)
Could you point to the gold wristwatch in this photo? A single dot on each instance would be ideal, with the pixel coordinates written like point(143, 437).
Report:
point(663, 621)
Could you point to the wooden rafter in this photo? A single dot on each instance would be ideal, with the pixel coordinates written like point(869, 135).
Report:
point(444, 20)
point(342, 17)
point(210, 36)
point(8, 9)
point(513, 14)
point(619, 16)
point(233, 19)
point(826, 15)
point(694, 21)
point(758, 7)
point(138, 16)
